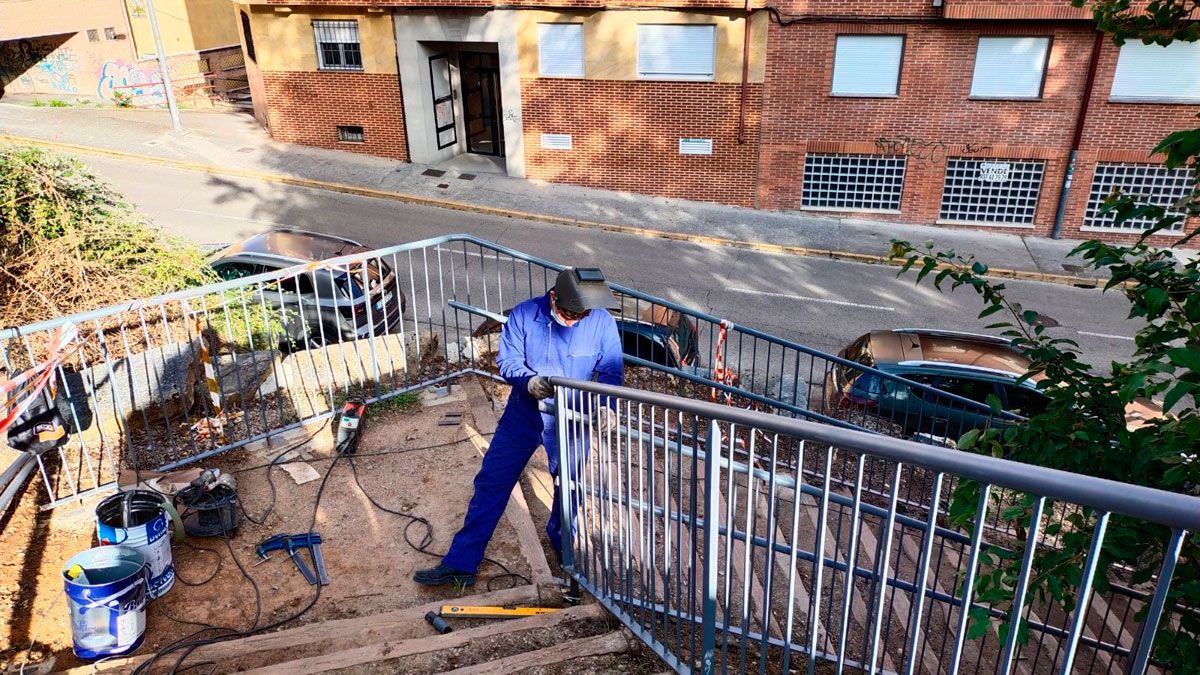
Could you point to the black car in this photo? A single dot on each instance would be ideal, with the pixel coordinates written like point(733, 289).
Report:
point(322, 305)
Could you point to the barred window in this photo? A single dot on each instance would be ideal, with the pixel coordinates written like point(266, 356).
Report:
point(853, 182)
point(338, 45)
point(1152, 183)
point(991, 191)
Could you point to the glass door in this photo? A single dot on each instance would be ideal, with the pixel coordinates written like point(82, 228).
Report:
point(443, 100)
point(482, 110)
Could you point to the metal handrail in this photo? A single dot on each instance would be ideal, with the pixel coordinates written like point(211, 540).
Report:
point(11, 332)
point(1171, 509)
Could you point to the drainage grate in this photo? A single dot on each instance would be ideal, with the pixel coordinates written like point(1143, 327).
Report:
point(436, 173)
point(1151, 183)
point(853, 182)
point(991, 191)
point(245, 149)
point(466, 176)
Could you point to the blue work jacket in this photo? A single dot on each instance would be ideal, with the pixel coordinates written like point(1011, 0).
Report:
point(533, 343)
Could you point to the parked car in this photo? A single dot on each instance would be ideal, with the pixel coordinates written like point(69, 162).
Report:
point(324, 305)
point(648, 331)
point(969, 365)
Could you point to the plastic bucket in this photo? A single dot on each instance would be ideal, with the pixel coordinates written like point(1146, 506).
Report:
point(138, 519)
point(107, 602)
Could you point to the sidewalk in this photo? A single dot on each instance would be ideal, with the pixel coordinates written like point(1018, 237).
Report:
point(234, 143)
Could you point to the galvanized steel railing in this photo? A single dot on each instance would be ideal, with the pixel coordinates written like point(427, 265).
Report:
point(134, 391)
point(688, 527)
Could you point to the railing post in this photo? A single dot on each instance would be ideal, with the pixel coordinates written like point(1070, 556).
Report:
point(563, 480)
point(712, 487)
point(1145, 641)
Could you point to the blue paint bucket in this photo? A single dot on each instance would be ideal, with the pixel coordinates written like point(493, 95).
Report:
point(107, 599)
point(139, 519)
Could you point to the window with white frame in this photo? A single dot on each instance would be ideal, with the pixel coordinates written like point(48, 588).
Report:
point(1150, 183)
point(560, 49)
point(676, 51)
point(853, 182)
point(338, 46)
point(1152, 73)
point(991, 191)
point(1010, 67)
point(867, 65)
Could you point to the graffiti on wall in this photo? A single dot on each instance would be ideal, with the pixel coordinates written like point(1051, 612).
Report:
point(58, 70)
point(923, 150)
point(38, 64)
point(119, 78)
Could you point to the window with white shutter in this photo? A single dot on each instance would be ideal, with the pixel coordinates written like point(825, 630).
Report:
point(560, 49)
point(676, 51)
point(867, 65)
point(1010, 67)
point(1157, 74)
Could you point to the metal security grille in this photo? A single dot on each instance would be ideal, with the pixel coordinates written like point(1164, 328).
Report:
point(1152, 183)
point(351, 134)
point(991, 191)
point(853, 182)
point(337, 45)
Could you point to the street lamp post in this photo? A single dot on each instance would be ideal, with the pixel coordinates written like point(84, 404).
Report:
point(172, 105)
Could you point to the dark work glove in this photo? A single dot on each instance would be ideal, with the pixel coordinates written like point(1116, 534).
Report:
point(540, 387)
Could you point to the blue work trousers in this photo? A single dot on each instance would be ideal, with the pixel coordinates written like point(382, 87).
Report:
point(521, 429)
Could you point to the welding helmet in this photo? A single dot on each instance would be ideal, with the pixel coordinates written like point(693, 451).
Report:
point(579, 289)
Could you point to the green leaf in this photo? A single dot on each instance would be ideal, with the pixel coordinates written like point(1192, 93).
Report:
point(988, 311)
point(1155, 299)
point(1176, 393)
point(1185, 356)
point(993, 402)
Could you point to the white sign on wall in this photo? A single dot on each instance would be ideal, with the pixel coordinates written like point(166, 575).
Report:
point(556, 141)
point(695, 146)
point(994, 172)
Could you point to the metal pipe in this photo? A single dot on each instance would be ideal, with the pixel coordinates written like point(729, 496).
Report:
point(741, 137)
point(164, 68)
point(1077, 136)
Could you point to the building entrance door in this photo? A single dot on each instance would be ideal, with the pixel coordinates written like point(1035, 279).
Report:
point(482, 111)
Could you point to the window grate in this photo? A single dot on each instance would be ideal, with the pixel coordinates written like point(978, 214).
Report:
point(1151, 183)
point(991, 191)
point(351, 134)
point(853, 182)
point(338, 45)
point(93, 35)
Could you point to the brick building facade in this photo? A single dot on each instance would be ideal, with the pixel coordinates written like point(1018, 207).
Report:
point(976, 126)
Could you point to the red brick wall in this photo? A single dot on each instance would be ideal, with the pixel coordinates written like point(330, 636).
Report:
point(1014, 9)
point(625, 136)
point(1119, 132)
point(307, 107)
point(932, 118)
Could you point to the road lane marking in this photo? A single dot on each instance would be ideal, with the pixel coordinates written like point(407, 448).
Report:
point(221, 215)
point(806, 298)
point(1110, 336)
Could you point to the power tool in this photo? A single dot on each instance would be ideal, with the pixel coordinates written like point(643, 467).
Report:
point(293, 544)
point(348, 424)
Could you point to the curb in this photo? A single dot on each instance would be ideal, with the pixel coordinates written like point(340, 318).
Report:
point(760, 247)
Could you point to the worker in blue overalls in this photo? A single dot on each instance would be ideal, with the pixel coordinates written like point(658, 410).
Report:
point(555, 334)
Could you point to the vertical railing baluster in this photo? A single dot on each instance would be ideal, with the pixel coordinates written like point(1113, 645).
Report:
point(712, 484)
point(969, 581)
point(1022, 589)
point(1145, 643)
point(1083, 595)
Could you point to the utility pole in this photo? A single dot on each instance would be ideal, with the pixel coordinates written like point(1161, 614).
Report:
point(164, 69)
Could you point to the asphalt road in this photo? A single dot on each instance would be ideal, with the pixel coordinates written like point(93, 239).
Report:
point(818, 302)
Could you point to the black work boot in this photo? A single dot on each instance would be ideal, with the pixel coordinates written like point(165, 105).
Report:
point(443, 575)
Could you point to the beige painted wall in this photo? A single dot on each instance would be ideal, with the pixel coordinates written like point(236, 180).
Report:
point(610, 40)
point(285, 42)
point(186, 25)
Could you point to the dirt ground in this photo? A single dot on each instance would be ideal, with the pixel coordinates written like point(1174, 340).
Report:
point(405, 460)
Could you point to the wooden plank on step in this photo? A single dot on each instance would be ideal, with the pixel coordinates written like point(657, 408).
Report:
point(616, 642)
point(356, 630)
point(395, 649)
